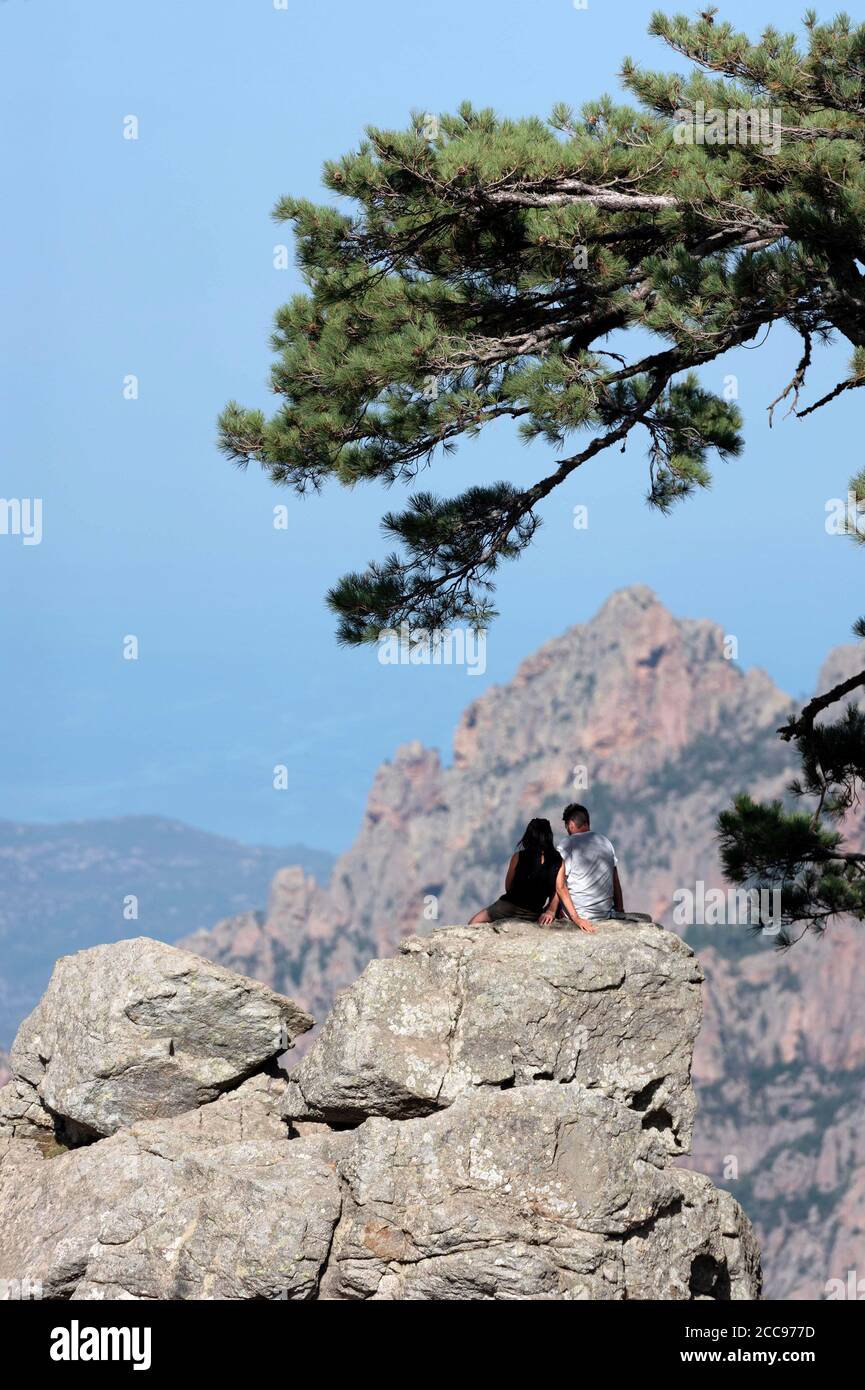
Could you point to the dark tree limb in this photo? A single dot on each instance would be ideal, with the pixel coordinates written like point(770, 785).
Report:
point(805, 722)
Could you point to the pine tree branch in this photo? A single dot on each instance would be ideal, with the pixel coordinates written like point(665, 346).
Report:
point(545, 486)
point(561, 192)
point(803, 725)
point(847, 385)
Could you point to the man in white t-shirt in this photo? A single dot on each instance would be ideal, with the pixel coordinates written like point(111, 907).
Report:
point(590, 869)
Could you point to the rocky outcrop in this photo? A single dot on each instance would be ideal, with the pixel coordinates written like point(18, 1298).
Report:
point(139, 1030)
point(540, 1169)
point(477, 1007)
point(642, 715)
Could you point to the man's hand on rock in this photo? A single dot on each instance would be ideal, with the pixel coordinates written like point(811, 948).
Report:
point(584, 925)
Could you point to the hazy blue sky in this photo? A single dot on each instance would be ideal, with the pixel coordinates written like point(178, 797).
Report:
point(155, 257)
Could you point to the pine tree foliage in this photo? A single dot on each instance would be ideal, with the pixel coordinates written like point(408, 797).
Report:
point(802, 853)
point(483, 262)
point(481, 269)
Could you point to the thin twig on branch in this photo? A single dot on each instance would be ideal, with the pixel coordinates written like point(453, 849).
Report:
point(796, 383)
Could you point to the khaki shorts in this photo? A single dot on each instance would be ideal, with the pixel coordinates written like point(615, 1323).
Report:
point(502, 910)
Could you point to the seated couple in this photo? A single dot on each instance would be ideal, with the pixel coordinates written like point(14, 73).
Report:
point(575, 880)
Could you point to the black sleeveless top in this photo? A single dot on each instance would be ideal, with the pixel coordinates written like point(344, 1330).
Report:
point(533, 890)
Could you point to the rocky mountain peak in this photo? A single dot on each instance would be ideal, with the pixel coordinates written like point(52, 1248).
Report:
point(632, 683)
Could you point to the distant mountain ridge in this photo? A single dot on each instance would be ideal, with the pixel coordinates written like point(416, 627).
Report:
point(665, 729)
point(63, 888)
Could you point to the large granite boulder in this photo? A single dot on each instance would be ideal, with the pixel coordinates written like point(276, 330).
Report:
point(139, 1030)
point(544, 1192)
point(535, 1083)
point(509, 1005)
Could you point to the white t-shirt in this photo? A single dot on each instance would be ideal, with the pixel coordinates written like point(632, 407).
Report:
point(589, 863)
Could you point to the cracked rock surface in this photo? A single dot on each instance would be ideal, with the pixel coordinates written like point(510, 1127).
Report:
point(542, 1192)
point(489, 1115)
point(485, 1006)
point(212, 1205)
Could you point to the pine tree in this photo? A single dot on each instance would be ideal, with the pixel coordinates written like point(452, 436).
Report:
point(478, 275)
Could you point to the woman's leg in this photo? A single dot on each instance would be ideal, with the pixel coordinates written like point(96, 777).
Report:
point(482, 916)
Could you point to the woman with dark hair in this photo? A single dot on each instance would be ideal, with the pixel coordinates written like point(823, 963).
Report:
point(530, 892)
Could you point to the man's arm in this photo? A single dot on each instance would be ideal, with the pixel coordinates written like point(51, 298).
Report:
point(512, 868)
point(618, 900)
point(567, 904)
